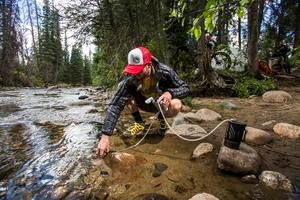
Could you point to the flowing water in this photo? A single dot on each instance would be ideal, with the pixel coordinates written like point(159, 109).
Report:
point(48, 139)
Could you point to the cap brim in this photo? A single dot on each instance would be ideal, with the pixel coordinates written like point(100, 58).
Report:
point(133, 69)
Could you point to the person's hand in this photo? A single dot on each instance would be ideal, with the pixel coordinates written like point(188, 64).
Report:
point(103, 146)
point(165, 100)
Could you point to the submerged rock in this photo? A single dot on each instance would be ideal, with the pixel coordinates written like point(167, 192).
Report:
point(257, 136)
point(249, 179)
point(201, 150)
point(276, 96)
point(227, 105)
point(204, 196)
point(208, 115)
point(244, 160)
point(287, 130)
point(158, 169)
point(275, 180)
point(190, 130)
point(83, 97)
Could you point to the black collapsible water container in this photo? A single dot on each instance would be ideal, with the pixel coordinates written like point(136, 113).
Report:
point(234, 134)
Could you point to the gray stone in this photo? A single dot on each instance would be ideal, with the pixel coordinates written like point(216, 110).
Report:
point(227, 105)
point(287, 130)
point(186, 108)
point(190, 130)
point(192, 118)
point(204, 196)
point(158, 169)
point(257, 136)
point(268, 123)
point(208, 115)
point(275, 180)
point(277, 96)
point(249, 179)
point(244, 160)
point(201, 150)
point(179, 119)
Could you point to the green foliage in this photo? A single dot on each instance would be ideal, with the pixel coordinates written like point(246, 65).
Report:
point(76, 66)
point(295, 59)
point(86, 76)
point(188, 101)
point(251, 86)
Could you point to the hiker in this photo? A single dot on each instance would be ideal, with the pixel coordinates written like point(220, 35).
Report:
point(144, 77)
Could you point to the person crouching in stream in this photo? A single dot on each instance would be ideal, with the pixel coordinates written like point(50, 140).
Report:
point(144, 77)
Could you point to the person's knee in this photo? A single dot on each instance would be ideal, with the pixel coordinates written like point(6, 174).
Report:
point(176, 106)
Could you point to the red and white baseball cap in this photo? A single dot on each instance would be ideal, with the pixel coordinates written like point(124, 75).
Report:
point(137, 59)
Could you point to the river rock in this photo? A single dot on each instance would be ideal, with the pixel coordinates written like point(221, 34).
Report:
point(59, 193)
point(204, 196)
point(158, 169)
point(244, 160)
point(208, 115)
point(192, 118)
point(80, 103)
point(227, 105)
point(202, 149)
point(257, 136)
point(276, 96)
point(190, 130)
point(179, 119)
point(93, 110)
point(249, 179)
point(275, 180)
point(287, 130)
point(83, 97)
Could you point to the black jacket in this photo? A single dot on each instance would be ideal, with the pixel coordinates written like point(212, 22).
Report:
point(168, 81)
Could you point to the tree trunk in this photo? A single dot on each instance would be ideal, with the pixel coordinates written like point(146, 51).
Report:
point(252, 36)
point(260, 13)
point(297, 28)
point(32, 30)
point(211, 78)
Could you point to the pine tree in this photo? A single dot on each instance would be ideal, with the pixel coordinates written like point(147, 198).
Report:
point(86, 77)
point(76, 66)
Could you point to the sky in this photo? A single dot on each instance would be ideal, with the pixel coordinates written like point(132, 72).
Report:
point(86, 48)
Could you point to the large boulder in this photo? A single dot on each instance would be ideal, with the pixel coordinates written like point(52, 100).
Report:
point(192, 118)
point(188, 130)
point(287, 130)
point(257, 136)
point(202, 149)
point(276, 96)
point(275, 180)
point(208, 115)
point(204, 196)
point(179, 119)
point(244, 160)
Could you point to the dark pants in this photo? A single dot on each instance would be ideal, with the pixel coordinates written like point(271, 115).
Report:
point(140, 100)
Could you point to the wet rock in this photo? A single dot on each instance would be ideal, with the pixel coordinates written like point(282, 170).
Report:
point(97, 162)
point(83, 97)
point(208, 115)
point(158, 169)
point(179, 119)
point(240, 161)
point(59, 107)
point(268, 123)
point(201, 150)
point(252, 179)
point(275, 180)
point(74, 195)
point(192, 118)
point(100, 194)
point(9, 108)
point(189, 130)
point(60, 192)
point(227, 105)
point(204, 196)
point(257, 136)
point(151, 196)
point(80, 103)
point(94, 110)
point(104, 173)
point(287, 130)
point(276, 96)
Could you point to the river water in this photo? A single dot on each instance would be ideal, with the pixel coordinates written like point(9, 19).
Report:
point(44, 136)
point(47, 141)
